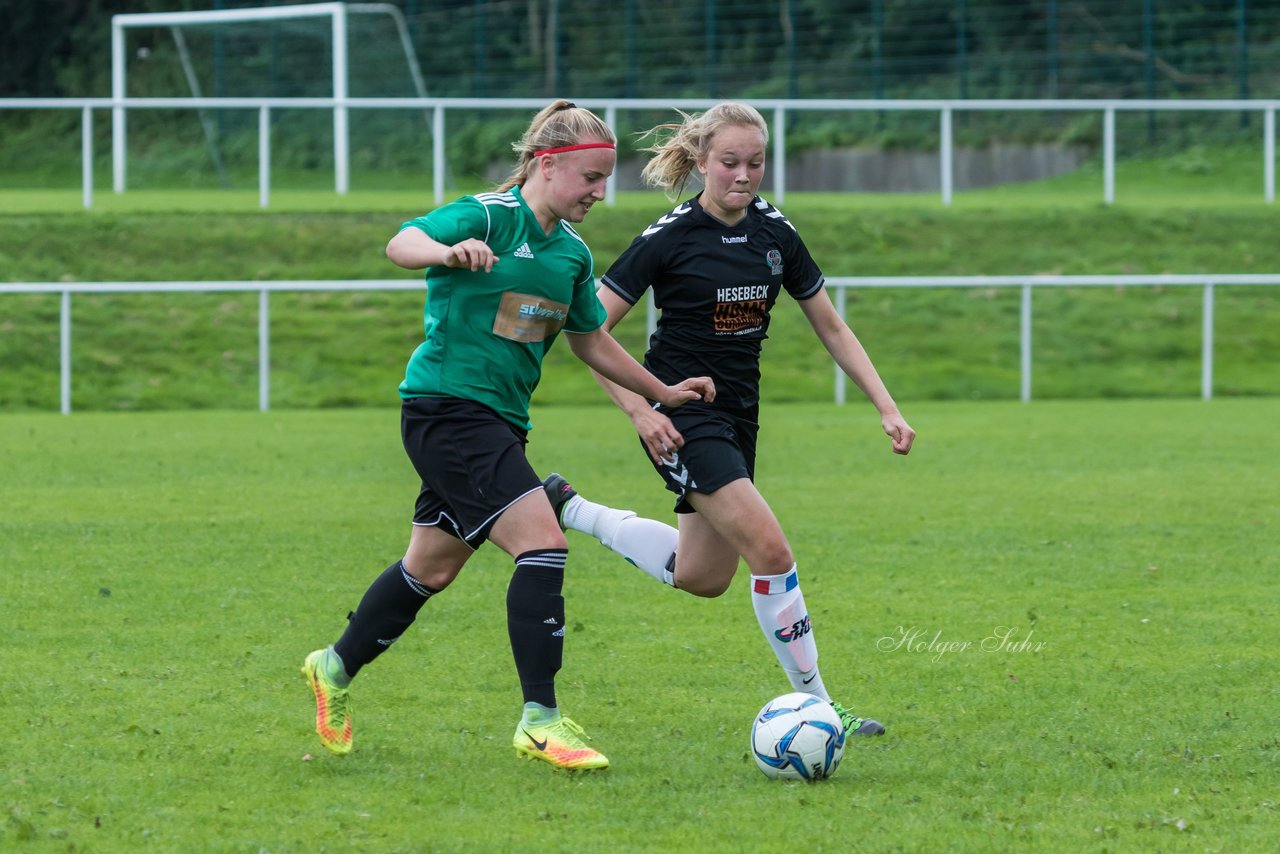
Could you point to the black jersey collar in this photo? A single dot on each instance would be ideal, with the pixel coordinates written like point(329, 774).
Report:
point(752, 210)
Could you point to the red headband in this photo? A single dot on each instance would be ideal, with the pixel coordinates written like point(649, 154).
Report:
point(577, 147)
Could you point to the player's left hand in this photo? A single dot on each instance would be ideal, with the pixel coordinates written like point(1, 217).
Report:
point(897, 429)
point(660, 437)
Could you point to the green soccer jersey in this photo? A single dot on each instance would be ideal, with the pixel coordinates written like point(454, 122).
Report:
point(487, 333)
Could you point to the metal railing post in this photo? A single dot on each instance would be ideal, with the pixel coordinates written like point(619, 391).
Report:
point(64, 353)
point(1025, 343)
point(1206, 345)
point(86, 155)
point(947, 155)
point(341, 134)
point(117, 107)
point(1269, 154)
point(264, 352)
point(1109, 155)
point(264, 156)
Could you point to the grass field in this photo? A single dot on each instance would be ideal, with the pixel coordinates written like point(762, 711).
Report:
point(1064, 611)
point(165, 573)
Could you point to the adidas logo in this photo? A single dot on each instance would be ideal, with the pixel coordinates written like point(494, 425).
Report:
point(550, 621)
point(524, 251)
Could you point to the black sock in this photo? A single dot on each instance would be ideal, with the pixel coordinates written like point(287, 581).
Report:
point(388, 608)
point(535, 622)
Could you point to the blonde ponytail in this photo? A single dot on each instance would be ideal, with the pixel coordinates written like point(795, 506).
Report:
point(561, 123)
point(678, 147)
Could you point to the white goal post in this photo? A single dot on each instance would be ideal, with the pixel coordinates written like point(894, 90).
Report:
point(337, 13)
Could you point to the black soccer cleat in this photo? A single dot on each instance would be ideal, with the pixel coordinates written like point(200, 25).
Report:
point(558, 493)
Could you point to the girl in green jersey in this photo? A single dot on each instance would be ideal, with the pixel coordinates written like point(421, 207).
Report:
point(505, 274)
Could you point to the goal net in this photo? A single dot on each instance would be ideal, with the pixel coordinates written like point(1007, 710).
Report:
point(315, 50)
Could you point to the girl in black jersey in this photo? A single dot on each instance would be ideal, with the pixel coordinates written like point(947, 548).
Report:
point(717, 264)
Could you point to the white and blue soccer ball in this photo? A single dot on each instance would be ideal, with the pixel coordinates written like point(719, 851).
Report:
point(797, 737)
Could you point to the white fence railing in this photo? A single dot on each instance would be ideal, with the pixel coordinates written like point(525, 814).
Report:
point(437, 108)
point(840, 285)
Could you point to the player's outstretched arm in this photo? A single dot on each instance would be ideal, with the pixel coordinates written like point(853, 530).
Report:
point(606, 356)
point(852, 358)
point(659, 435)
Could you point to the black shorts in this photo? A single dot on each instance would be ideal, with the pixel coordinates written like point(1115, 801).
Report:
point(471, 462)
point(719, 448)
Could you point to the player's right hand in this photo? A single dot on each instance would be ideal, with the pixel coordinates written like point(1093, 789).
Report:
point(694, 388)
point(472, 254)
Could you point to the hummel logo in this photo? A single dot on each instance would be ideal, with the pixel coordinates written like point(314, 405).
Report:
point(524, 251)
point(538, 745)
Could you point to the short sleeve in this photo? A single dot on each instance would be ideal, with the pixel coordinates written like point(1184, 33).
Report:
point(454, 222)
point(586, 313)
point(802, 278)
point(634, 270)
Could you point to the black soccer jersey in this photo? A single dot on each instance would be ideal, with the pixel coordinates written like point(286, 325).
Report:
point(714, 285)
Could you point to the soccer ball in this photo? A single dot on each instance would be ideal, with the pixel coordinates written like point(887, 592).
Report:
point(797, 737)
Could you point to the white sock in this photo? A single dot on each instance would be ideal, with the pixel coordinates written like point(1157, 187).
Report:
point(780, 610)
point(645, 543)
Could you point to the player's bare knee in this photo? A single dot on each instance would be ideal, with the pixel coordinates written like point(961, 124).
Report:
point(773, 560)
point(706, 588)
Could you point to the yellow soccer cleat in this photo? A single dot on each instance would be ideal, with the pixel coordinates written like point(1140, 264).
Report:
point(559, 743)
point(333, 707)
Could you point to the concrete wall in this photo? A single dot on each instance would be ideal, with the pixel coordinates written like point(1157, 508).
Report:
point(874, 171)
point(871, 170)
